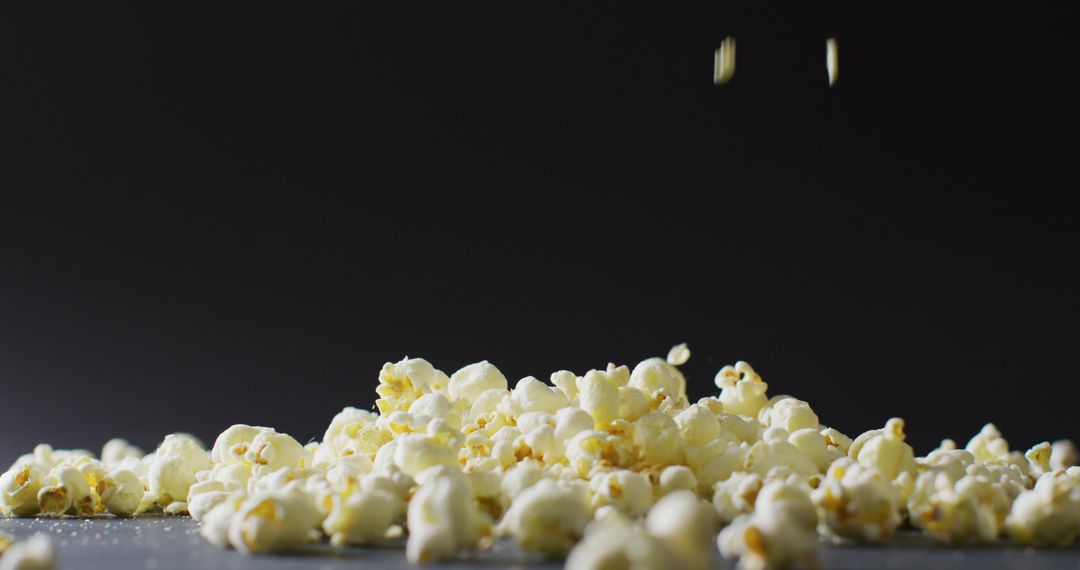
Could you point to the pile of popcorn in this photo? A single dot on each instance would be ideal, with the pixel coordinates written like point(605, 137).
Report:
point(612, 469)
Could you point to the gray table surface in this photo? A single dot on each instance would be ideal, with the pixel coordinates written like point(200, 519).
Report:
point(163, 543)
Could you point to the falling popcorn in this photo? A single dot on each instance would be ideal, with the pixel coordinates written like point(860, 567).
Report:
point(615, 466)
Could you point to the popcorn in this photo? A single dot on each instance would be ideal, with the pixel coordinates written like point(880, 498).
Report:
point(599, 394)
point(417, 452)
point(1048, 514)
point(659, 381)
point(777, 452)
point(1063, 454)
point(401, 383)
point(736, 495)
point(988, 444)
point(34, 553)
point(475, 379)
point(858, 502)
point(362, 518)
point(614, 542)
point(742, 390)
point(659, 439)
point(624, 449)
point(217, 520)
point(778, 533)
point(273, 521)
point(173, 467)
point(885, 449)
point(121, 492)
point(532, 395)
point(565, 381)
point(676, 478)
point(442, 518)
point(678, 355)
point(788, 413)
point(969, 508)
point(65, 490)
point(686, 524)
point(698, 425)
point(627, 491)
point(117, 450)
point(547, 517)
point(19, 488)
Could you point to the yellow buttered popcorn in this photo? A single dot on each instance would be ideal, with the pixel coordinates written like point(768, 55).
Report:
point(615, 467)
point(548, 517)
point(742, 391)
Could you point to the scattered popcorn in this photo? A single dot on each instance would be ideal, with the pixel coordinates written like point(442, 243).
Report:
point(19, 488)
point(1063, 455)
point(273, 521)
point(859, 503)
point(678, 355)
point(1048, 514)
point(363, 517)
point(442, 517)
point(547, 517)
point(612, 468)
point(615, 542)
point(686, 524)
point(34, 553)
point(780, 531)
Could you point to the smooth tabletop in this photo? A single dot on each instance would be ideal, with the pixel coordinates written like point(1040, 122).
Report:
point(163, 543)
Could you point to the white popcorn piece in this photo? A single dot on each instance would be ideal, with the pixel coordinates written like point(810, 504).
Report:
point(547, 517)
point(401, 383)
point(736, 495)
point(660, 382)
point(532, 395)
point(64, 491)
point(599, 395)
point(19, 488)
point(565, 381)
point(675, 478)
point(858, 503)
point(742, 391)
point(416, 452)
point(442, 518)
point(1048, 514)
point(971, 508)
point(678, 355)
point(362, 518)
point(698, 425)
point(217, 520)
point(117, 450)
point(885, 449)
point(768, 454)
point(475, 379)
point(627, 491)
point(788, 413)
point(614, 542)
point(687, 525)
point(1063, 455)
point(659, 438)
point(779, 532)
point(34, 553)
point(121, 492)
point(988, 444)
point(173, 467)
point(273, 521)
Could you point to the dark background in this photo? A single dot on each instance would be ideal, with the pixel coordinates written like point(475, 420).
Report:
point(237, 213)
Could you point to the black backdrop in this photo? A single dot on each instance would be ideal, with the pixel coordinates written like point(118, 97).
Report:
point(237, 213)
